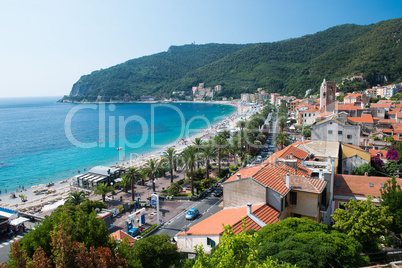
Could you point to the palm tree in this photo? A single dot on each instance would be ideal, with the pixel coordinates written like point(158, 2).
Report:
point(103, 189)
point(170, 155)
point(282, 124)
point(281, 140)
point(208, 154)
point(198, 143)
point(234, 148)
point(151, 168)
point(225, 134)
point(221, 144)
point(76, 198)
point(125, 183)
point(190, 158)
point(241, 125)
point(133, 175)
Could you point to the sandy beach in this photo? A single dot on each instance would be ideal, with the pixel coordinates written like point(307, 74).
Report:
point(40, 197)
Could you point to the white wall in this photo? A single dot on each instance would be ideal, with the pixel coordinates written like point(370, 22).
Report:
point(188, 243)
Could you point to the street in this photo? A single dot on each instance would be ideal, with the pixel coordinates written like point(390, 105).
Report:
point(207, 207)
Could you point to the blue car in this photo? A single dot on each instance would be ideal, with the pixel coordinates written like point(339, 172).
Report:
point(192, 214)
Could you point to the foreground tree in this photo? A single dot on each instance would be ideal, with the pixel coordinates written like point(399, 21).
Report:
point(151, 252)
point(103, 189)
point(235, 251)
point(364, 221)
point(220, 143)
point(391, 197)
point(76, 198)
point(307, 243)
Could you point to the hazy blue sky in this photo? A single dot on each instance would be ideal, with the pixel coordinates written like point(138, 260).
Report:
point(45, 46)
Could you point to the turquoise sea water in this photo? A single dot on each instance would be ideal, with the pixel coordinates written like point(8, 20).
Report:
point(41, 140)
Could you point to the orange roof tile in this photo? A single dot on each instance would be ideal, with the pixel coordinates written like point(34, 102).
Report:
point(288, 151)
point(365, 118)
point(311, 110)
point(387, 121)
point(376, 118)
point(213, 225)
point(269, 174)
point(381, 105)
point(120, 235)
point(312, 185)
point(354, 185)
point(353, 146)
point(383, 153)
point(347, 107)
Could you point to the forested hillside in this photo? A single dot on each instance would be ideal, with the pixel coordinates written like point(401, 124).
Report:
point(287, 67)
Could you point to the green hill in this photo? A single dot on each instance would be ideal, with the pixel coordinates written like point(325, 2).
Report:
point(287, 67)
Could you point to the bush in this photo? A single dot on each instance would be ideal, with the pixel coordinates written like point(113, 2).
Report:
point(233, 168)
point(199, 174)
point(149, 229)
point(224, 172)
point(174, 188)
point(180, 182)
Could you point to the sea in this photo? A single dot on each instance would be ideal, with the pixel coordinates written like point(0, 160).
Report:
point(42, 140)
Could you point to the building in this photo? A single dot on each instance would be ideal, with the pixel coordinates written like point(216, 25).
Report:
point(97, 175)
point(327, 96)
point(308, 116)
point(357, 187)
point(336, 129)
point(352, 157)
point(147, 98)
point(356, 97)
point(209, 231)
point(274, 97)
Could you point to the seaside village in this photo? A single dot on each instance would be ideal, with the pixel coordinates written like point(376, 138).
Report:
point(309, 158)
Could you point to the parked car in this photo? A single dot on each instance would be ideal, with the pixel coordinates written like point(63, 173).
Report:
point(218, 193)
point(192, 214)
point(264, 154)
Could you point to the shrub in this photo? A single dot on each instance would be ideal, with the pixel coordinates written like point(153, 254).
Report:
point(149, 229)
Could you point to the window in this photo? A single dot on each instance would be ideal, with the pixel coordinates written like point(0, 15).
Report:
point(341, 205)
point(349, 136)
point(293, 198)
point(371, 184)
point(210, 242)
point(337, 183)
point(340, 132)
point(382, 185)
point(309, 115)
point(329, 131)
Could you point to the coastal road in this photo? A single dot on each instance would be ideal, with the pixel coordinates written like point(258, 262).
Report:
point(207, 207)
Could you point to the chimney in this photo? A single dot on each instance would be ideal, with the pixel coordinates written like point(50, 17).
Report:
point(249, 209)
point(291, 156)
point(366, 174)
point(253, 217)
point(287, 181)
point(239, 176)
point(321, 175)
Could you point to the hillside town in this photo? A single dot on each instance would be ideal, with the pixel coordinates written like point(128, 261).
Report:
point(277, 162)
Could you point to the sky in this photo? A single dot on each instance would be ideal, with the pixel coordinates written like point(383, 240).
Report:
point(46, 46)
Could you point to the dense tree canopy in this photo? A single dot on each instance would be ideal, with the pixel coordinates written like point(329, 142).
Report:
point(364, 221)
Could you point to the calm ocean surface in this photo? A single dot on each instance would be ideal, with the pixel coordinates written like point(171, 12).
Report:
point(41, 140)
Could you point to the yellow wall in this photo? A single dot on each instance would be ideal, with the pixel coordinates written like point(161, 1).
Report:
point(349, 151)
point(307, 205)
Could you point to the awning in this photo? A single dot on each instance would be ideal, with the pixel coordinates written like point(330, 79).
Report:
point(118, 179)
point(18, 221)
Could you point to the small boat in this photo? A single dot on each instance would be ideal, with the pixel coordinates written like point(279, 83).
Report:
point(119, 148)
point(100, 141)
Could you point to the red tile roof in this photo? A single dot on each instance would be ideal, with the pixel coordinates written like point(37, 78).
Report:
point(120, 235)
point(269, 174)
point(383, 153)
point(213, 225)
point(365, 118)
point(288, 151)
point(387, 121)
point(347, 107)
point(311, 185)
point(353, 146)
point(381, 105)
point(359, 186)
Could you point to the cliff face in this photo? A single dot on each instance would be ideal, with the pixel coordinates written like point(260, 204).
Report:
point(287, 67)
